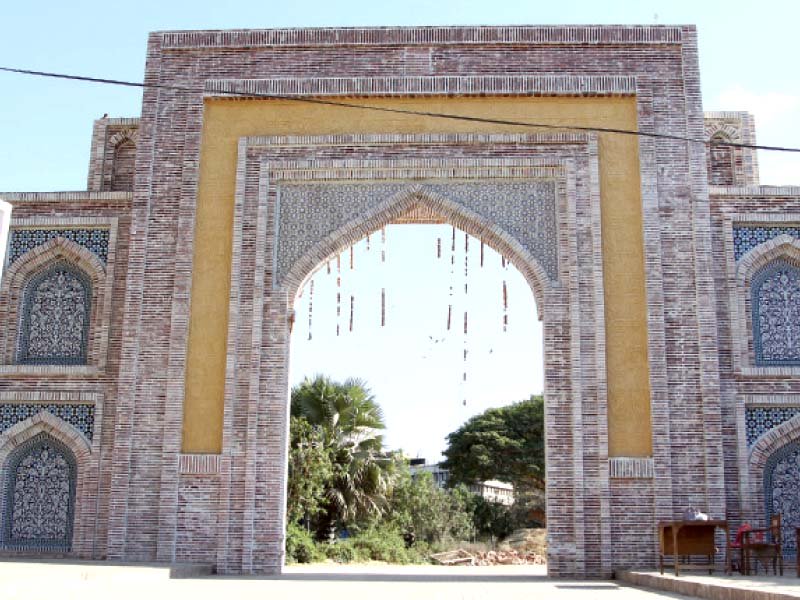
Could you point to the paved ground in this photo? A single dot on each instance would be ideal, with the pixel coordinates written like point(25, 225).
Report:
point(732, 587)
point(30, 580)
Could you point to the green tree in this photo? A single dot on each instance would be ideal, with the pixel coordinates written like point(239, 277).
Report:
point(501, 443)
point(349, 422)
point(310, 471)
point(418, 506)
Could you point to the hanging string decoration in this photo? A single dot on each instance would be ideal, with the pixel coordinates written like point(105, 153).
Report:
point(338, 292)
point(439, 247)
point(383, 244)
point(351, 258)
point(505, 307)
point(383, 307)
point(329, 267)
point(482, 244)
point(505, 296)
point(466, 262)
point(310, 306)
point(367, 242)
point(452, 274)
point(352, 308)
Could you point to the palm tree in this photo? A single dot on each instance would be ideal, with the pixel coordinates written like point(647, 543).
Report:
point(350, 420)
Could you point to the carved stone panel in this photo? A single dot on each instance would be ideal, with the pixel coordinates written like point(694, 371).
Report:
point(776, 314)
point(39, 496)
point(54, 325)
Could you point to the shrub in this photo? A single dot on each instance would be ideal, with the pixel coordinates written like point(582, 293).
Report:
point(300, 546)
point(384, 544)
point(342, 551)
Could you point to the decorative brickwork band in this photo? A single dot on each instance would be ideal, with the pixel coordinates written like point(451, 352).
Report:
point(199, 464)
point(624, 467)
point(553, 85)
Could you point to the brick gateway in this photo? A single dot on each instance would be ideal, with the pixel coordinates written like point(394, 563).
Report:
point(660, 270)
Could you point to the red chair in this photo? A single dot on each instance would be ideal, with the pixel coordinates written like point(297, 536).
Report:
point(765, 546)
point(736, 550)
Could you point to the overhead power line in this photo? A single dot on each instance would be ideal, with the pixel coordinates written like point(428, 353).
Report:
point(403, 111)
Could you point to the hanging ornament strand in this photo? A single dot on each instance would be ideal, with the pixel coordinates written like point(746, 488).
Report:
point(352, 305)
point(505, 296)
point(383, 307)
point(310, 305)
point(338, 292)
point(452, 276)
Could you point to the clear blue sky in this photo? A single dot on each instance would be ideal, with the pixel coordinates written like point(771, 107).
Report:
point(747, 54)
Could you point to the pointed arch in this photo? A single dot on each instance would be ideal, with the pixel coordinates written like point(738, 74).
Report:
point(41, 451)
point(403, 202)
point(766, 451)
point(751, 270)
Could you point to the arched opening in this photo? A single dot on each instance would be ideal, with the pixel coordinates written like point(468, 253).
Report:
point(39, 496)
point(782, 492)
point(55, 317)
point(440, 326)
point(720, 161)
point(123, 169)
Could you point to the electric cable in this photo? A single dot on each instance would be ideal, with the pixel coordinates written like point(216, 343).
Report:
point(437, 115)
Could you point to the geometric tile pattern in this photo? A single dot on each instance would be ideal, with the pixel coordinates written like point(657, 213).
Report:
point(23, 240)
point(40, 496)
point(745, 238)
point(776, 314)
point(782, 492)
point(760, 420)
point(524, 209)
point(54, 328)
point(80, 416)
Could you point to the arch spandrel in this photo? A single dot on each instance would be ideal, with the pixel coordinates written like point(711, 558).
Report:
point(523, 228)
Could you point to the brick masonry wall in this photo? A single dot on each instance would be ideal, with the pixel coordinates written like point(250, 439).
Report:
point(742, 384)
point(110, 139)
point(677, 245)
point(156, 504)
point(96, 384)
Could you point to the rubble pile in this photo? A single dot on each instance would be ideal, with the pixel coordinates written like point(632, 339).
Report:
point(508, 557)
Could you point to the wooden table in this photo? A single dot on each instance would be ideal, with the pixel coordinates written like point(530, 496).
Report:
point(690, 538)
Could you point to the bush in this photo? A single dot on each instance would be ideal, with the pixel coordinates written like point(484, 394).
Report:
point(300, 545)
point(342, 551)
point(386, 545)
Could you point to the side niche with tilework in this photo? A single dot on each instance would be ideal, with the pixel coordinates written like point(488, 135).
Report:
point(782, 493)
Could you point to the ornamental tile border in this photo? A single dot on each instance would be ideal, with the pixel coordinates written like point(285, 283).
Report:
point(23, 240)
point(760, 419)
point(80, 416)
point(747, 237)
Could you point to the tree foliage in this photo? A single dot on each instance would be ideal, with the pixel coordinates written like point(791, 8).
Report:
point(346, 422)
point(431, 514)
point(501, 443)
